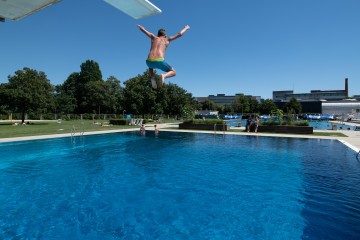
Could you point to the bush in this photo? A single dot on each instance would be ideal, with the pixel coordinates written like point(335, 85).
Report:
point(271, 122)
point(302, 123)
point(207, 121)
point(120, 121)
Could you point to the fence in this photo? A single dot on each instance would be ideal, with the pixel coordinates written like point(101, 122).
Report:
point(85, 116)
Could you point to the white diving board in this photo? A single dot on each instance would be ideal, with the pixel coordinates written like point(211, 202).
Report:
point(135, 8)
point(17, 9)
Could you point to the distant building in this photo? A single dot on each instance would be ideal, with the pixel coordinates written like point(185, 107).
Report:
point(225, 100)
point(344, 107)
point(335, 102)
point(314, 95)
point(206, 112)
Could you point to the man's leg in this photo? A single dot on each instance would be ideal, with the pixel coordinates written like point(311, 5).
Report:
point(152, 78)
point(169, 74)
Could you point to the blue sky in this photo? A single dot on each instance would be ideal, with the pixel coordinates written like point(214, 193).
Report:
point(233, 46)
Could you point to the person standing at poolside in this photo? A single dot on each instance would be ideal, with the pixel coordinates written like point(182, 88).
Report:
point(156, 55)
point(256, 123)
point(142, 130)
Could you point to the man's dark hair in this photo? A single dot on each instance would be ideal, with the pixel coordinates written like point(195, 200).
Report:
point(161, 32)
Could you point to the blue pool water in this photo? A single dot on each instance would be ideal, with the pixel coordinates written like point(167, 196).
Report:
point(317, 125)
point(179, 186)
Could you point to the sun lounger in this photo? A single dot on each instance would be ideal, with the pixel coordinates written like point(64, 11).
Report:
point(132, 122)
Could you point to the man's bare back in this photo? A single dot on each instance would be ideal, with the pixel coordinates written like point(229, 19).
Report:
point(158, 47)
point(156, 55)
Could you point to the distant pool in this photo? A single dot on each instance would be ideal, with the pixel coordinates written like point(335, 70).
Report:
point(317, 125)
point(323, 125)
point(179, 186)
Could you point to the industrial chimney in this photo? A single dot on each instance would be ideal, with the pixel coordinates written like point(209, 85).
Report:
point(346, 88)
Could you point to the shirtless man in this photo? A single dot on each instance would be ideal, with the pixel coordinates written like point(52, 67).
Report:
point(156, 55)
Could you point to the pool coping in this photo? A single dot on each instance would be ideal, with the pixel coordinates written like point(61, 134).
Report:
point(352, 140)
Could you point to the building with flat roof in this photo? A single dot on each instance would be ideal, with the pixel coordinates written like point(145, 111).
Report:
point(225, 100)
point(342, 107)
point(314, 95)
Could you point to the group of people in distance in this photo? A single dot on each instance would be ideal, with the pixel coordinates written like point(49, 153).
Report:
point(252, 122)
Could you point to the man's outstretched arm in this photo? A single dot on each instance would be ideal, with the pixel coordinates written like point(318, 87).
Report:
point(187, 27)
point(149, 34)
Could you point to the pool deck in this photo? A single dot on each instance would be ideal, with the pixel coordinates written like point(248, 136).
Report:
point(352, 140)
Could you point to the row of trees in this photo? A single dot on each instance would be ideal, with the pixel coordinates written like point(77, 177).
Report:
point(244, 104)
point(29, 91)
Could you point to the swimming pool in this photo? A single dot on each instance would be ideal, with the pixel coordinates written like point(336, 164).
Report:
point(317, 125)
point(179, 186)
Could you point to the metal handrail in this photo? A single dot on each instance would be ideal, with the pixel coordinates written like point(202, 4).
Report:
point(73, 131)
point(81, 129)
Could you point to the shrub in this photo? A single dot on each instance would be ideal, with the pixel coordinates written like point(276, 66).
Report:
point(119, 121)
point(207, 121)
point(302, 123)
point(271, 122)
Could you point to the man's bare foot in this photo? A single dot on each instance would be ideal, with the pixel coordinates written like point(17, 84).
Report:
point(153, 83)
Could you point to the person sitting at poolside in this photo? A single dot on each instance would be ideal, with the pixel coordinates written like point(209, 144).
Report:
point(156, 55)
point(248, 124)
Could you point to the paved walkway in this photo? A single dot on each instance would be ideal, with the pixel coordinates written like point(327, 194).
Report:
point(352, 140)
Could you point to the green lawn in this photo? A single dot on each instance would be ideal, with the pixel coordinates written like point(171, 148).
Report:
point(329, 134)
point(44, 128)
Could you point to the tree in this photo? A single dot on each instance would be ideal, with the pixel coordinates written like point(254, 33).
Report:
point(178, 99)
point(241, 104)
point(94, 98)
point(64, 102)
point(28, 90)
point(267, 107)
point(102, 96)
point(208, 105)
point(3, 103)
point(138, 96)
point(114, 92)
point(253, 105)
point(228, 109)
point(89, 73)
point(220, 108)
point(293, 106)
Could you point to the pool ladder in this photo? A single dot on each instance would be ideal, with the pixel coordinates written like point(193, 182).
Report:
point(81, 130)
point(357, 156)
point(215, 129)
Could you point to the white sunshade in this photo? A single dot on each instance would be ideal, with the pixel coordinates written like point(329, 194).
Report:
point(135, 8)
point(16, 9)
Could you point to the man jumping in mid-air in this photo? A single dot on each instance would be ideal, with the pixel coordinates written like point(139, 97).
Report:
point(156, 55)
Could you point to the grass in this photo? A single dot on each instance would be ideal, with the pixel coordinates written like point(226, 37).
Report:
point(329, 134)
point(52, 127)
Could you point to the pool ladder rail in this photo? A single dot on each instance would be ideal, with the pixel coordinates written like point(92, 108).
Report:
point(215, 129)
point(358, 155)
point(81, 130)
